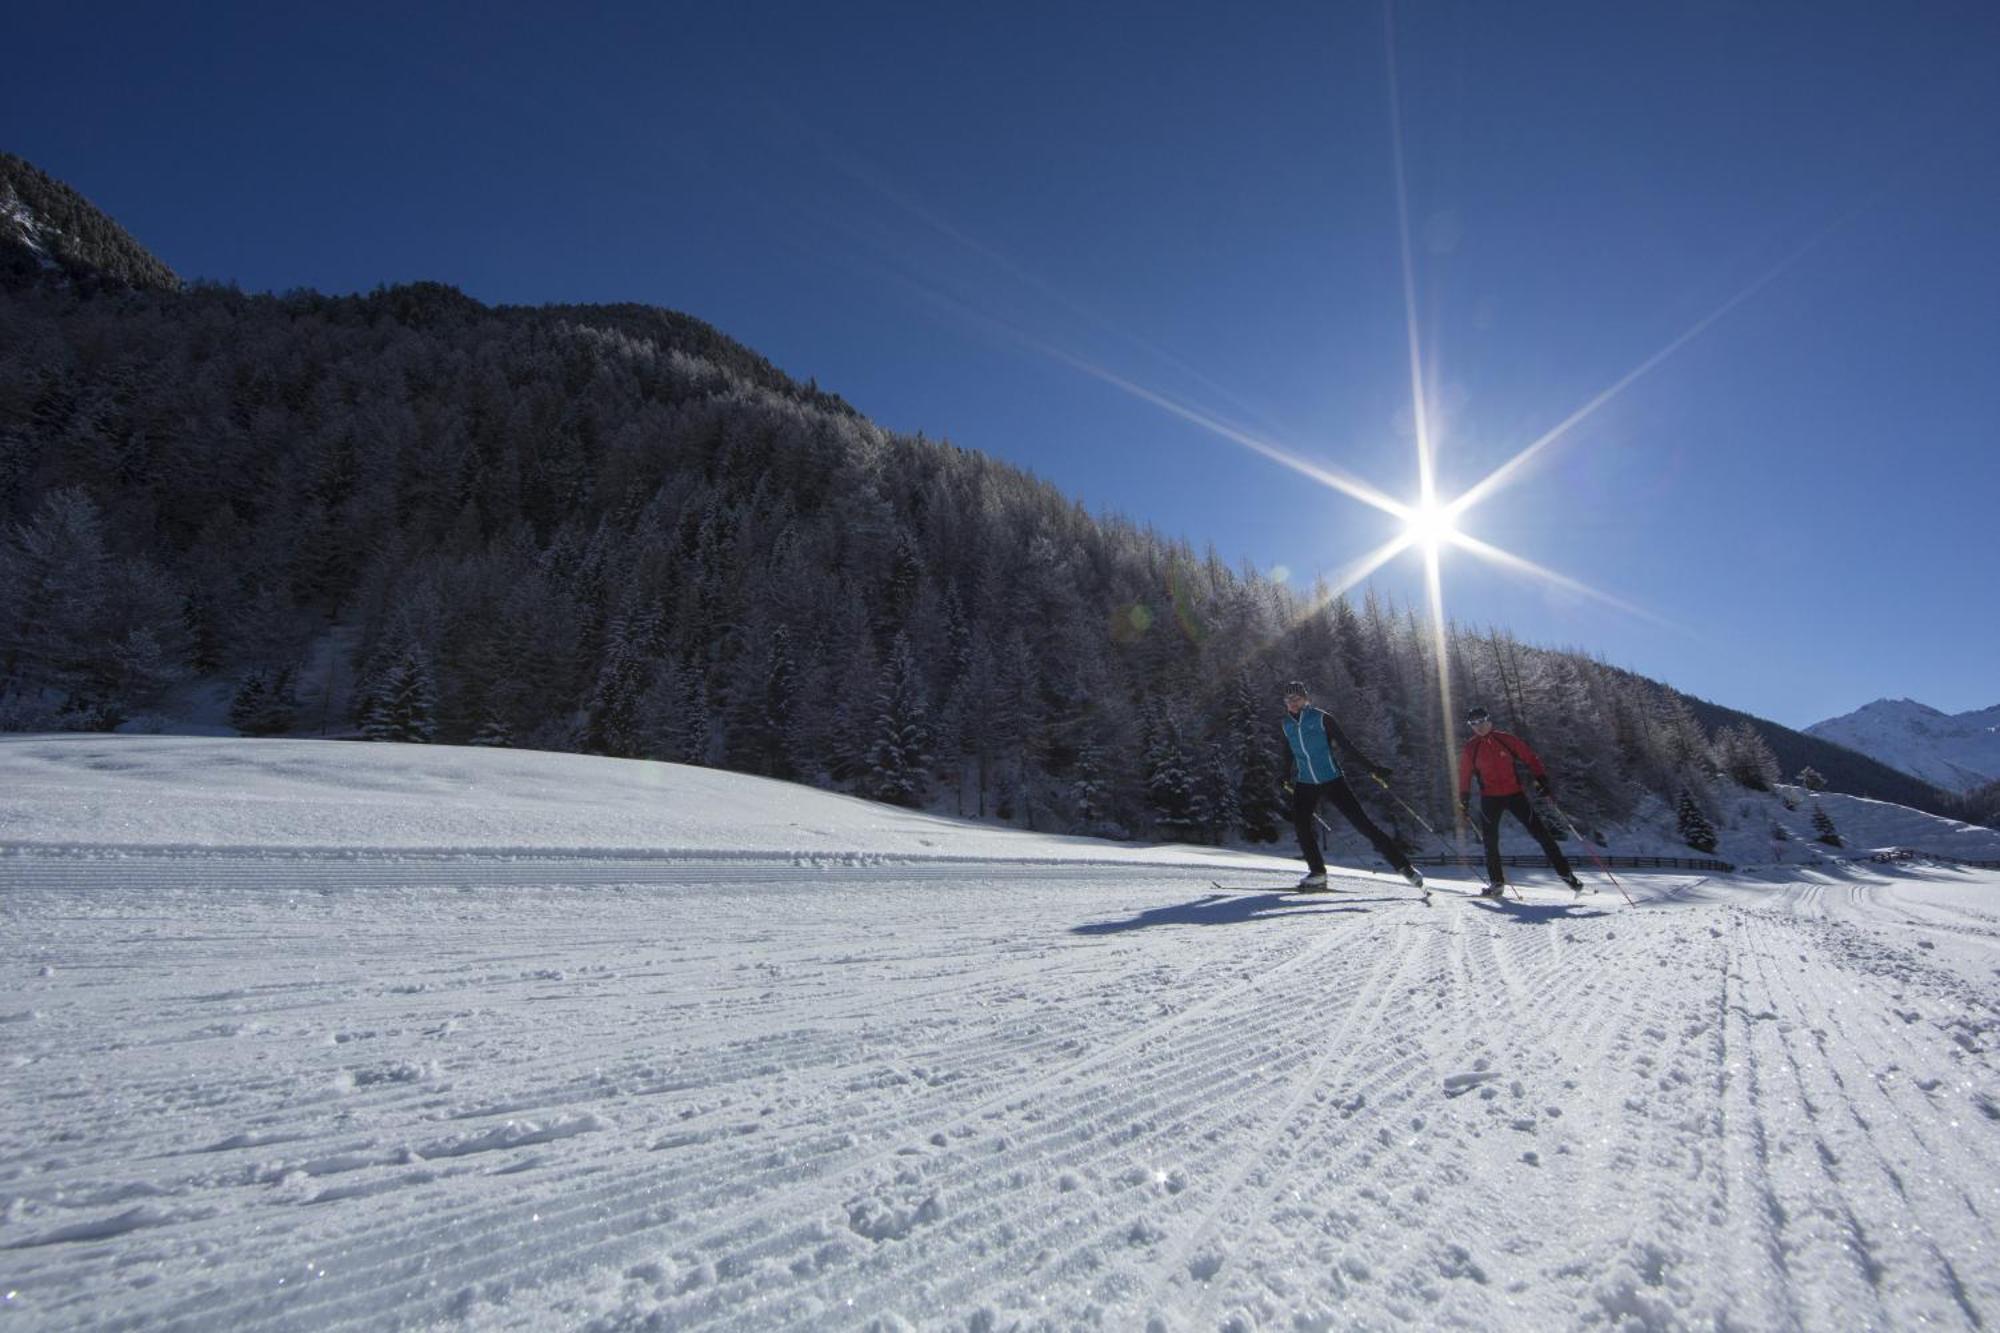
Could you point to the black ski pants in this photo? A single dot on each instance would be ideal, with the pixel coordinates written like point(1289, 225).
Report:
point(1306, 797)
point(1519, 806)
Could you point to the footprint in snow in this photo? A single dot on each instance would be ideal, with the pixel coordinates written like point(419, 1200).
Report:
point(1457, 1085)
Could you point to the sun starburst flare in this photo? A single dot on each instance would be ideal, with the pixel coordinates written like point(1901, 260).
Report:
point(1430, 525)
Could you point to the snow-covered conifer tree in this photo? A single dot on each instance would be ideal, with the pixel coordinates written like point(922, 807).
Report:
point(899, 760)
point(1216, 812)
point(265, 705)
point(1259, 815)
point(773, 724)
point(677, 718)
point(109, 633)
point(1823, 828)
point(1090, 788)
point(614, 725)
point(404, 702)
point(1170, 778)
point(492, 732)
point(1695, 829)
point(1746, 757)
point(53, 569)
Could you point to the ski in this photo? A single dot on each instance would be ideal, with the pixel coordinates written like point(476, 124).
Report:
point(1423, 890)
point(1267, 888)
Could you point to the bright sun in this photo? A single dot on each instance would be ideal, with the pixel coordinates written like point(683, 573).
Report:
point(1430, 525)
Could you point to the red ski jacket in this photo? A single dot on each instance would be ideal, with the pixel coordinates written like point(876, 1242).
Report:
point(1493, 757)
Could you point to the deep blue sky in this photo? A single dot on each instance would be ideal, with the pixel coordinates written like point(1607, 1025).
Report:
point(918, 204)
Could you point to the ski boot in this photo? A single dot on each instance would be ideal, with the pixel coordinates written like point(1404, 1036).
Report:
point(1414, 875)
point(1574, 882)
point(1494, 891)
point(1313, 883)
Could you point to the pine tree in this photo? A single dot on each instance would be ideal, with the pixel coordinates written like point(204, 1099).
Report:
point(684, 724)
point(53, 571)
point(1746, 757)
point(614, 709)
point(1823, 828)
point(1090, 788)
point(1811, 780)
point(774, 720)
point(1696, 831)
point(1259, 814)
point(1170, 779)
point(110, 633)
point(404, 706)
point(899, 760)
point(248, 702)
point(265, 705)
point(1216, 812)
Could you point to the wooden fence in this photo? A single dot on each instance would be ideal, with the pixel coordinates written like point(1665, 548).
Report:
point(1540, 862)
point(1916, 854)
point(1584, 862)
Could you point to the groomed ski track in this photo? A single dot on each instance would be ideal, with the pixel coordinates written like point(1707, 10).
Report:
point(262, 1091)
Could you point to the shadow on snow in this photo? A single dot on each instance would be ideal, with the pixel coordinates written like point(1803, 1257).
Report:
point(1531, 914)
point(1216, 909)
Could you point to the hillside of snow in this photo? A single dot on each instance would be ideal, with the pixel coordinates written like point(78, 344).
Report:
point(310, 1035)
point(205, 792)
point(1955, 751)
point(1747, 822)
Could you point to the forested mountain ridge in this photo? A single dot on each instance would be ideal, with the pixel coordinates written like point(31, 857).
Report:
point(1844, 769)
point(45, 224)
point(613, 529)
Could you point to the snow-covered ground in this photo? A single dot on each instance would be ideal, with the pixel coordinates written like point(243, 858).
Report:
point(303, 1035)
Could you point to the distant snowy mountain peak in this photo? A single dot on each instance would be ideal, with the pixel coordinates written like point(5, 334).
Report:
point(1955, 751)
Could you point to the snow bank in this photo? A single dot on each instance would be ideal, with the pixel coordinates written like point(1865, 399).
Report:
point(159, 792)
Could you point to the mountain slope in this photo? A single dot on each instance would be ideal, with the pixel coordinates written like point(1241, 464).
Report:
point(613, 529)
point(44, 224)
point(1844, 769)
point(1956, 752)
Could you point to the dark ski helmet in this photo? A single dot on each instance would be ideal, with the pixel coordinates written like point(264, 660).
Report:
point(1475, 715)
point(1297, 687)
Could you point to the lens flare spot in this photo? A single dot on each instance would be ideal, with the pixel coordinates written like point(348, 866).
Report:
point(1130, 623)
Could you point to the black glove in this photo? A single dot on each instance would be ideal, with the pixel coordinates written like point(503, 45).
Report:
point(1541, 786)
point(1382, 775)
point(1465, 809)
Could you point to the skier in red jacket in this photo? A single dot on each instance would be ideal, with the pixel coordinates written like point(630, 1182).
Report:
point(1494, 756)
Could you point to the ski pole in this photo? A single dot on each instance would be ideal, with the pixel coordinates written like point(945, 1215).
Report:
point(1407, 809)
point(1588, 850)
point(1519, 896)
point(1450, 853)
point(1318, 819)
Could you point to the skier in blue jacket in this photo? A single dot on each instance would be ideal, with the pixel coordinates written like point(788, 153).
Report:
point(1310, 735)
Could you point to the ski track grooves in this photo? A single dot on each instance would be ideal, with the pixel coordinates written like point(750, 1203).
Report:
point(1854, 1071)
point(477, 1247)
point(1216, 1080)
point(618, 1094)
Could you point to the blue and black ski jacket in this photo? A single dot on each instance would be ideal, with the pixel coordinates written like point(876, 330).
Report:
point(1310, 738)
